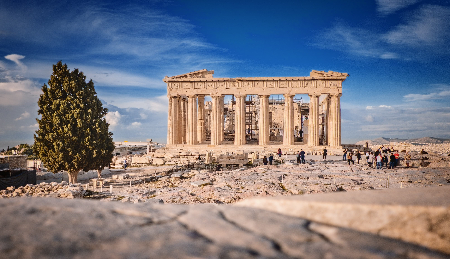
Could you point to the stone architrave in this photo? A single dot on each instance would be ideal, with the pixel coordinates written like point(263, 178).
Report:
point(239, 125)
point(202, 83)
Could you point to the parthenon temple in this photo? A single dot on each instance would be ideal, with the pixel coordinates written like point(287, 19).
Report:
point(248, 110)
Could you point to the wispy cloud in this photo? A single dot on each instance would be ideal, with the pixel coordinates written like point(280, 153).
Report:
point(423, 33)
point(23, 116)
point(428, 27)
point(442, 93)
point(386, 7)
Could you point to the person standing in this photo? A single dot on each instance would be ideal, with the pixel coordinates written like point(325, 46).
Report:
point(279, 152)
point(397, 158)
point(302, 156)
point(358, 156)
point(391, 161)
point(349, 158)
point(407, 159)
point(379, 161)
point(125, 164)
point(324, 156)
point(298, 158)
point(370, 159)
point(344, 157)
point(265, 160)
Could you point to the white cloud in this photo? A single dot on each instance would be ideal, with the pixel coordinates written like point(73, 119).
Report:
point(429, 26)
point(386, 7)
point(135, 124)
point(385, 106)
point(113, 118)
point(370, 107)
point(16, 59)
point(369, 118)
point(389, 55)
point(23, 116)
point(442, 94)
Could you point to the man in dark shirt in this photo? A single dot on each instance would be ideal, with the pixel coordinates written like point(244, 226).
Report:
point(392, 161)
point(302, 156)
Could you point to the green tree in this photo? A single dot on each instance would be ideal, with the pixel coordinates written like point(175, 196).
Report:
point(73, 134)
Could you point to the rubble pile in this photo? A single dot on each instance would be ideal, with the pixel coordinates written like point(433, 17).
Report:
point(56, 190)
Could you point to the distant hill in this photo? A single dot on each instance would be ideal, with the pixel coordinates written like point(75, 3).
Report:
point(386, 141)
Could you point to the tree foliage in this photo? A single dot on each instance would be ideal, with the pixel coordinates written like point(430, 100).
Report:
point(73, 133)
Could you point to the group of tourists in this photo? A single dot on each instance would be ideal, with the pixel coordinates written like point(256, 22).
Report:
point(381, 158)
point(348, 156)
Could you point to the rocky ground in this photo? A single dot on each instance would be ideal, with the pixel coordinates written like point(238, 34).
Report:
point(163, 185)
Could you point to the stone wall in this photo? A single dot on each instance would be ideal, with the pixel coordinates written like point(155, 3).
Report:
point(14, 161)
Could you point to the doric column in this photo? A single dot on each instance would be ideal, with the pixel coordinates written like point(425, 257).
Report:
point(215, 120)
point(183, 120)
point(239, 120)
point(192, 120)
point(335, 120)
point(264, 120)
point(288, 121)
point(201, 119)
point(313, 127)
point(221, 119)
point(172, 120)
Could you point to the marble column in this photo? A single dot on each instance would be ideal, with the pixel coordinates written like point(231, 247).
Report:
point(183, 120)
point(313, 127)
point(215, 120)
point(288, 121)
point(192, 120)
point(264, 120)
point(221, 119)
point(201, 119)
point(239, 122)
point(335, 120)
point(171, 121)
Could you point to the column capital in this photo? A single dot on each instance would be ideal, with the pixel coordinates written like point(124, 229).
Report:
point(288, 95)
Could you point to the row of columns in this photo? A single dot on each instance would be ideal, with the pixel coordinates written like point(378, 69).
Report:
point(186, 122)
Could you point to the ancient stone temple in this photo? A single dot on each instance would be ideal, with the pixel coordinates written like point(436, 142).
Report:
point(251, 115)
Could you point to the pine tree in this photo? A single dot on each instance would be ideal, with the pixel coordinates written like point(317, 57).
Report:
point(73, 134)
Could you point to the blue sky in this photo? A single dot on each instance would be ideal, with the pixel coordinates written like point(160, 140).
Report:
point(396, 52)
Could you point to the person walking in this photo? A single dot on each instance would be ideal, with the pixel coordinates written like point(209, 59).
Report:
point(349, 158)
point(302, 156)
point(324, 156)
point(344, 157)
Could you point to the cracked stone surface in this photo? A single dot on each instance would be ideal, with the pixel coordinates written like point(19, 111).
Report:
point(59, 228)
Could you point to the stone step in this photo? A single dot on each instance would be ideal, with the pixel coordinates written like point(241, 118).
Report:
point(416, 215)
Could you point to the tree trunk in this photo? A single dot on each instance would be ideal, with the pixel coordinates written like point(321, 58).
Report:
point(99, 173)
point(73, 175)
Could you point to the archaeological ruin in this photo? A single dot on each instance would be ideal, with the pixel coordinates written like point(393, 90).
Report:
point(255, 113)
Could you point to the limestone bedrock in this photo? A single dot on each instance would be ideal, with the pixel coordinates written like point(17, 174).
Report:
point(416, 215)
point(57, 228)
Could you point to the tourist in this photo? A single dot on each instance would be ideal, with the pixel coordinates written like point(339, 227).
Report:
point(379, 161)
point(367, 155)
point(385, 160)
point(349, 158)
point(265, 160)
point(302, 156)
point(370, 159)
point(324, 156)
point(344, 157)
point(358, 156)
point(298, 157)
point(125, 164)
point(407, 159)
point(270, 159)
point(397, 158)
point(391, 161)
point(279, 152)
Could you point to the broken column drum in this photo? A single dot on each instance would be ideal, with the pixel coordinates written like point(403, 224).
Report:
point(186, 117)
